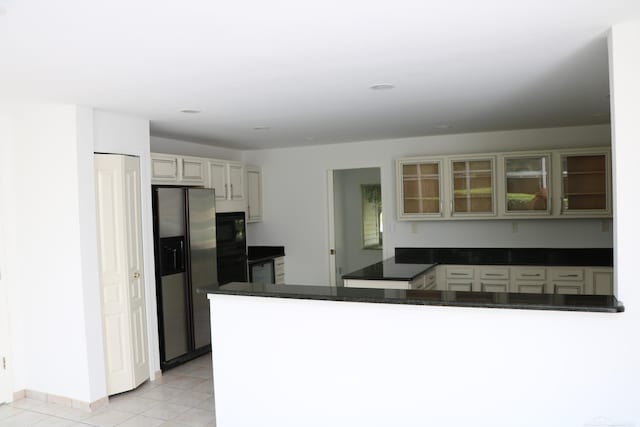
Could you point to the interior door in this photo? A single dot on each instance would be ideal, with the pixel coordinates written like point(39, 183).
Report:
point(121, 275)
point(135, 273)
point(5, 389)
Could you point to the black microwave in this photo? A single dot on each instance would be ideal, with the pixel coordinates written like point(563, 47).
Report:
point(231, 233)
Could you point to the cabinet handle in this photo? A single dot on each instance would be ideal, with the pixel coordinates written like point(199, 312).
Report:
point(531, 275)
point(136, 275)
point(458, 274)
point(568, 275)
point(493, 274)
point(231, 190)
point(226, 193)
point(451, 207)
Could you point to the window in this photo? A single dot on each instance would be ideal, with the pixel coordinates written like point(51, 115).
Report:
point(371, 216)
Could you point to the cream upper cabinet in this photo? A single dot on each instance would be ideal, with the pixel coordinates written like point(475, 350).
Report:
point(227, 179)
point(527, 184)
point(420, 188)
point(172, 169)
point(472, 191)
point(585, 186)
point(254, 194)
point(550, 184)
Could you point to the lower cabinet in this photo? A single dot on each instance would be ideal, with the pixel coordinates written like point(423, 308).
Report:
point(278, 267)
point(516, 279)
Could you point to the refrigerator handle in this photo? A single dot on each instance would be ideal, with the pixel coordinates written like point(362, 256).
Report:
point(182, 255)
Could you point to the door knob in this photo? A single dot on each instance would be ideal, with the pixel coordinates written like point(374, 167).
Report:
point(136, 275)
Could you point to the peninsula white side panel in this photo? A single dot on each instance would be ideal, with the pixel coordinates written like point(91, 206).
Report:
point(343, 364)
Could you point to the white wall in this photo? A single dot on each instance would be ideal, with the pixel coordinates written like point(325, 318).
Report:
point(49, 228)
point(45, 273)
point(121, 134)
point(185, 148)
point(350, 209)
point(295, 197)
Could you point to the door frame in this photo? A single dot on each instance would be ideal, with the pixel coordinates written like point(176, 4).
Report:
point(331, 238)
point(5, 347)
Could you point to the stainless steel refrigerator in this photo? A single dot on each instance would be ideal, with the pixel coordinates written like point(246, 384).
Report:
point(185, 258)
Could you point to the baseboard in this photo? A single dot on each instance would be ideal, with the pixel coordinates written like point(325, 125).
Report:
point(61, 400)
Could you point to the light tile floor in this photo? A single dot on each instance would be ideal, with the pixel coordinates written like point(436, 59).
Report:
point(183, 397)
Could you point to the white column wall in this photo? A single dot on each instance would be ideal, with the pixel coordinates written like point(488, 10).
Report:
point(47, 277)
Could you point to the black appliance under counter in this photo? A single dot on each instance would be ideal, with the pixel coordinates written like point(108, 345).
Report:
point(262, 264)
point(390, 269)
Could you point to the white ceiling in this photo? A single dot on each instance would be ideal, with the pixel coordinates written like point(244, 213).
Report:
point(304, 68)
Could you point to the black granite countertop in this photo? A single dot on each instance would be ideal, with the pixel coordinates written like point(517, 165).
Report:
point(548, 257)
point(587, 303)
point(263, 253)
point(390, 269)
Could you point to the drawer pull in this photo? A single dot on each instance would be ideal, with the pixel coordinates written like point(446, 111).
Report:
point(568, 275)
point(458, 274)
point(493, 274)
point(531, 275)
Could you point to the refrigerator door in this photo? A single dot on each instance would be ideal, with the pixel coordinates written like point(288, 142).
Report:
point(173, 290)
point(174, 316)
point(202, 247)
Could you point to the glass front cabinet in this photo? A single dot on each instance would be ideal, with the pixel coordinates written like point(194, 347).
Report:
point(472, 187)
point(585, 184)
point(421, 188)
point(549, 184)
point(527, 184)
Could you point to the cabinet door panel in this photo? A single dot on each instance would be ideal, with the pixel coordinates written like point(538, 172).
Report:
point(527, 184)
point(421, 188)
point(494, 286)
point(254, 195)
point(473, 187)
point(585, 183)
point(529, 287)
point(218, 179)
point(236, 181)
point(193, 170)
point(164, 169)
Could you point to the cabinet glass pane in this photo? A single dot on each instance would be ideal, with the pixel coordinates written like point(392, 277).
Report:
point(421, 188)
point(472, 186)
point(584, 183)
point(527, 183)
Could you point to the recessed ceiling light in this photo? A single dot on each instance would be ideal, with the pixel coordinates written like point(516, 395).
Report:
point(190, 111)
point(261, 127)
point(382, 86)
point(442, 126)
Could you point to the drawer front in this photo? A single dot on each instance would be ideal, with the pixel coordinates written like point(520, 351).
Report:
point(535, 273)
point(568, 288)
point(494, 273)
point(494, 286)
point(531, 287)
point(459, 285)
point(459, 272)
point(574, 274)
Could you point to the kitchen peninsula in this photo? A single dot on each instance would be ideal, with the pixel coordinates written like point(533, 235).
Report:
point(318, 356)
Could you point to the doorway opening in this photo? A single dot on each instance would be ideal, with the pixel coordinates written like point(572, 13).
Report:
point(356, 231)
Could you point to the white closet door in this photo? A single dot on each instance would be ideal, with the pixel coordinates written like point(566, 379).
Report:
point(121, 275)
point(5, 389)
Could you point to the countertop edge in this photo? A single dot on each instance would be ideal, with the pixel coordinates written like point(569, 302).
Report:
point(390, 278)
point(619, 308)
